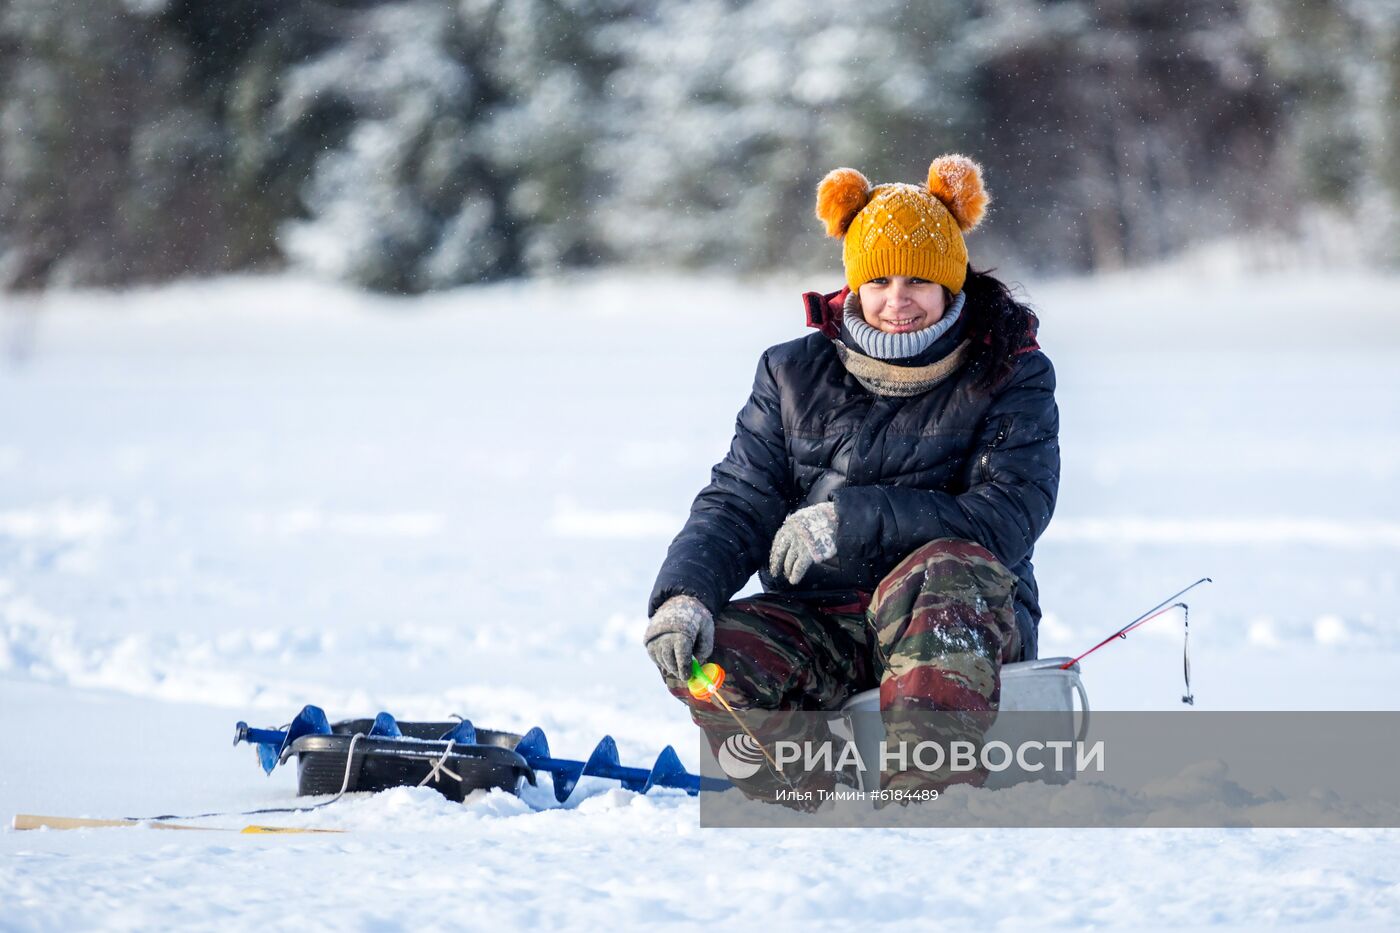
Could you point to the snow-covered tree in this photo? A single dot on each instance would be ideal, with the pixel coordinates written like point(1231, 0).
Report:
point(1120, 132)
point(111, 154)
point(401, 185)
point(724, 114)
point(1339, 61)
point(409, 145)
point(462, 157)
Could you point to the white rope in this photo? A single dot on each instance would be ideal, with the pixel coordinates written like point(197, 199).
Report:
point(440, 767)
point(344, 785)
point(345, 782)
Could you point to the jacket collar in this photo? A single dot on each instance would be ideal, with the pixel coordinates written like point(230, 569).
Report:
point(824, 310)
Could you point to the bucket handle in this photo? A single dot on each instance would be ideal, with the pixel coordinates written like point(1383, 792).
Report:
point(1084, 707)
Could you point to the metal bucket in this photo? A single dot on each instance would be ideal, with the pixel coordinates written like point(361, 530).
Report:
point(1042, 686)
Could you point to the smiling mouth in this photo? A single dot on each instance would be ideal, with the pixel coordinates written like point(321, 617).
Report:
point(902, 322)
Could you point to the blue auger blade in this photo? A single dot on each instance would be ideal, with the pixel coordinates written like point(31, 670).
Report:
point(667, 772)
point(268, 757)
point(604, 763)
point(464, 733)
point(310, 721)
point(533, 746)
point(272, 743)
point(567, 773)
point(385, 727)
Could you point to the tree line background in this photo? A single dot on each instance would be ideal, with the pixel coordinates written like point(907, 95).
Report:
point(412, 145)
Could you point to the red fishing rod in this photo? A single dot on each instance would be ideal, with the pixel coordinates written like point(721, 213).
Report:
point(1164, 606)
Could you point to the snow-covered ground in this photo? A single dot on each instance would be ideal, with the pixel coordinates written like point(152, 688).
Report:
point(224, 500)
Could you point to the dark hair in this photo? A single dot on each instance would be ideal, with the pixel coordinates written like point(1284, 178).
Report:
point(998, 326)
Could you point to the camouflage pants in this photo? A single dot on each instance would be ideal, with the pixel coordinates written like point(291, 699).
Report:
point(932, 637)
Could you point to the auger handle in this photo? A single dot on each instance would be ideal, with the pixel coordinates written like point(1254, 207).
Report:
point(245, 733)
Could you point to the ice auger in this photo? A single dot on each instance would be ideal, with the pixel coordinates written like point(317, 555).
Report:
point(455, 758)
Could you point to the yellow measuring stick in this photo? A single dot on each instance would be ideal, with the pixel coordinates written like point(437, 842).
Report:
point(35, 821)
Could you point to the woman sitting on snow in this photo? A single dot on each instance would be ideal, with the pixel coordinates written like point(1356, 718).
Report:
point(888, 479)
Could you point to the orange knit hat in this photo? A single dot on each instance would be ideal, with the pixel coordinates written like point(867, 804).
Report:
point(900, 229)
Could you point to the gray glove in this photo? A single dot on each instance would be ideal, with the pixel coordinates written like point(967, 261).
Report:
point(681, 627)
point(807, 537)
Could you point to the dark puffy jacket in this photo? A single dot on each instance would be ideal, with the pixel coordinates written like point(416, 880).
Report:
point(952, 462)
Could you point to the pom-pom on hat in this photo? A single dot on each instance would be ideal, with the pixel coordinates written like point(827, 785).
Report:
point(901, 229)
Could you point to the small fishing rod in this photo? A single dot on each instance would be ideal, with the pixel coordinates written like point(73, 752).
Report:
point(1166, 605)
point(704, 683)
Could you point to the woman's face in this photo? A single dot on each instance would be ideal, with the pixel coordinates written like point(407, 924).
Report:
point(899, 304)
